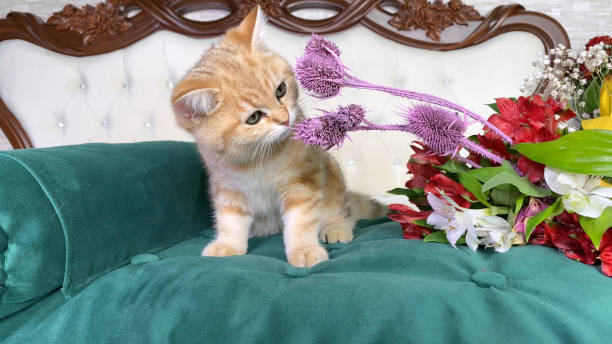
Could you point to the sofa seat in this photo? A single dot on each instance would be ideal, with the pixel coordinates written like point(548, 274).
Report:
point(378, 288)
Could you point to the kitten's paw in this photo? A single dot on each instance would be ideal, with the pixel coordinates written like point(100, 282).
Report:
point(307, 256)
point(336, 234)
point(217, 249)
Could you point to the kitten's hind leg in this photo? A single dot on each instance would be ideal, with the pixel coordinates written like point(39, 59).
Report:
point(337, 228)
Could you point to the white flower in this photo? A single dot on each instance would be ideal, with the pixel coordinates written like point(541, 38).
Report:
point(474, 223)
point(581, 193)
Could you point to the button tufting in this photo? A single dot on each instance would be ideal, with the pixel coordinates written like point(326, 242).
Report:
point(445, 82)
point(125, 84)
point(398, 83)
point(487, 279)
point(350, 162)
point(60, 124)
point(170, 84)
point(148, 124)
point(105, 123)
point(397, 162)
point(143, 259)
point(293, 272)
point(82, 85)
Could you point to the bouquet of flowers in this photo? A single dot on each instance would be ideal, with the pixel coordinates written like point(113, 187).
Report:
point(539, 173)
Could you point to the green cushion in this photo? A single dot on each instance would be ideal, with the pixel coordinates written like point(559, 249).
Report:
point(379, 288)
point(70, 214)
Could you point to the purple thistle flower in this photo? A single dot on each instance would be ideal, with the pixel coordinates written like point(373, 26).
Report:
point(318, 45)
point(321, 72)
point(442, 131)
point(329, 129)
point(319, 75)
point(351, 115)
point(439, 129)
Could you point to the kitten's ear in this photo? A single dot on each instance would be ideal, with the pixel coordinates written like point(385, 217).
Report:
point(250, 30)
point(191, 107)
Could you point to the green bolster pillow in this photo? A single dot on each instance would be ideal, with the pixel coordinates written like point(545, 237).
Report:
point(70, 214)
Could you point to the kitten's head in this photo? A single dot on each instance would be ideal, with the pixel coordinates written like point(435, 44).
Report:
point(240, 98)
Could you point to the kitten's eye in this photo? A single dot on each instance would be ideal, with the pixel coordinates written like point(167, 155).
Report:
point(281, 90)
point(254, 117)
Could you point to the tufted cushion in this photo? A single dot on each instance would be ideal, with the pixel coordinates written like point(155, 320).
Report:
point(123, 96)
point(379, 288)
point(69, 214)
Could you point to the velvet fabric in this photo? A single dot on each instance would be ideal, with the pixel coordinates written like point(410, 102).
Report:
point(380, 288)
point(70, 214)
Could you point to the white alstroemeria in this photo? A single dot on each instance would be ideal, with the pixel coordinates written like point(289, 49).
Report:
point(496, 232)
point(583, 194)
point(456, 221)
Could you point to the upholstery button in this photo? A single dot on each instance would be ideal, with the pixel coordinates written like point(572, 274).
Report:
point(293, 272)
point(105, 123)
point(488, 279)
point(350, 162)
point(125, 84)
point(60, 124)
point(82, 85)
point(144, 258)
point(398, 83)
point(170, 84)
point(148, 124)
point(397, 162)
point(446, 82)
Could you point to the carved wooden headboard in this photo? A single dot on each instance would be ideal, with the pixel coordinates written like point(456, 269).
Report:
point(105, 72)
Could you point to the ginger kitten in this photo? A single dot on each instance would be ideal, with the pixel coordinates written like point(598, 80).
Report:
point(239, 103)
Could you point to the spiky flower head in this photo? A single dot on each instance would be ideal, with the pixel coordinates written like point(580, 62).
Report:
point(439, 129)
point(329, 129)
point(320, 70)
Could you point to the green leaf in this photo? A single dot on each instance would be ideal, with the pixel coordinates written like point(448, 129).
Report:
point(407, 192)
point(485, 173)
point(521, 183)
point(505, 196)
point(595, 228)
point(494, 107)
point(591, 96)
point(440, 236)
point(422, 223)
point(519, 204)
point(453, 167)
point(473, 186)
point(583, 151)
point(554, 210)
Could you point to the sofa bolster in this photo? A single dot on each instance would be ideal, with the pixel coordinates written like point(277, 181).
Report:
point(70, 214)
point(31, 239)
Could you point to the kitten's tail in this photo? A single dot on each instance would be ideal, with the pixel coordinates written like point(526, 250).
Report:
point(365, 207)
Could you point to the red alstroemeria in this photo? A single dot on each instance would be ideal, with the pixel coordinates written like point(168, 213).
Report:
point(423, 155)
point(567, 235)
point(605, 253)
point(540, 236)
point(421, 166)
point(406, 216)
point(531, 169)
point(451, 188)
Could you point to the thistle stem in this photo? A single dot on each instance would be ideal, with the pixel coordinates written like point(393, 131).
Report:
point(467, 161)
point(356, 83)
point(483, 152)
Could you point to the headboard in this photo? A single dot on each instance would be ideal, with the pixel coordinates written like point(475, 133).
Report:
point(104, 73)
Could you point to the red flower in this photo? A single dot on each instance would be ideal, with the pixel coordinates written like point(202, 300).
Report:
point(567, 235)
point(605, 253)
point(406, 217)
point(607, 40)
point(540, 236)
point(421, 166)
point(531, 169)
point(451, 188)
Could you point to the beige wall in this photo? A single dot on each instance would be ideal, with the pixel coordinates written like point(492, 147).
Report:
point(581, 18)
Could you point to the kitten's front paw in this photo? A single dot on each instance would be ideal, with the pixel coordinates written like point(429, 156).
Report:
point(336, 234)
point(307, 256)
point(217, 249)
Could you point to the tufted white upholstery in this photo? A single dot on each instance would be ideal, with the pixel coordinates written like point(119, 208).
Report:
point(123, 96)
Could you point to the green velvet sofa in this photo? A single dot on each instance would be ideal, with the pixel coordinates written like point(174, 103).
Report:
point(101, 244)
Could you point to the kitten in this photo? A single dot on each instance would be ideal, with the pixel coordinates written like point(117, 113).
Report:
point(239, 103)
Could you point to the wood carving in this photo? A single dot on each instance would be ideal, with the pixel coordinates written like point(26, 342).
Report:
point(91, 23)
point(92, 30)
point(271, 8)
point(433, 17)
